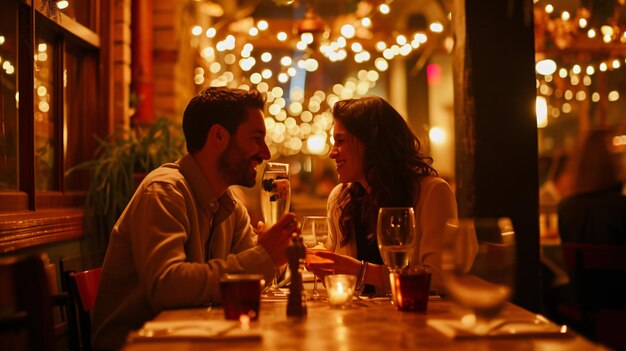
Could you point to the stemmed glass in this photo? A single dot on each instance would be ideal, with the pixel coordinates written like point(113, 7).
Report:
point(275, 201)
point(478, 263)
point(395, 232)
point(314, 234)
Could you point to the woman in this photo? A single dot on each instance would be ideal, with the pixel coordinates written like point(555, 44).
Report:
point(596, 210)
point(380, 164)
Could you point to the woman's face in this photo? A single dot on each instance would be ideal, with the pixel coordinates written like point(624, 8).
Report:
point(348, 155)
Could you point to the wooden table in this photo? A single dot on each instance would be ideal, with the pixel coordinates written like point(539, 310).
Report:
point(367, 325)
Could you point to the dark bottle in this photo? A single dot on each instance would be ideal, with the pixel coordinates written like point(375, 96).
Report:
point(296, 303)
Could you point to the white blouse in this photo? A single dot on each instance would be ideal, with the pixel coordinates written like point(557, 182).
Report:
point(434, 206)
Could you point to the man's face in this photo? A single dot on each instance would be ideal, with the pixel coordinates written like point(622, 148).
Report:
point(245, 151)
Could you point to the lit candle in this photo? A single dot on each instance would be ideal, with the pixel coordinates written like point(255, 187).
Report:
point(340, 288)
point(244, 319)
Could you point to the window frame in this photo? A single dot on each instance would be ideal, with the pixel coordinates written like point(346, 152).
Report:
point(29, 217)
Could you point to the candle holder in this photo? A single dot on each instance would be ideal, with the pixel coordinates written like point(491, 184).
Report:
point(340, 289)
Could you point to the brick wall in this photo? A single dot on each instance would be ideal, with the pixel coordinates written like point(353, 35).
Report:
point(173, 59)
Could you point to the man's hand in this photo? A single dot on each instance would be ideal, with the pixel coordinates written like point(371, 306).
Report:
point(276, 239)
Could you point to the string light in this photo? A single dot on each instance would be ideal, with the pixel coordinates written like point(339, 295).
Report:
point(562, 29)
point(63, 4)
point(298, 124)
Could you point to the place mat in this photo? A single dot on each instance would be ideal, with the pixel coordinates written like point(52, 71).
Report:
point(190, 330)
point(502, 328)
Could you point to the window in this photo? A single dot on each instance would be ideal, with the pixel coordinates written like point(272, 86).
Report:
point(47, 128)
point(46, 110)
point(8, 98)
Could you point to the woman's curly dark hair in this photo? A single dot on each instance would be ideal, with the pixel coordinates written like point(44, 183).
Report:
point(392, 160)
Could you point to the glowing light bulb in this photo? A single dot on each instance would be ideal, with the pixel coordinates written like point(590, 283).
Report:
point(545, 67)
point(437, 135)
point(262, 25)
point(286, 61)
point(436, 27)
point(266, 57)
point(315, 144)
point(348, 31)
point(196, 30)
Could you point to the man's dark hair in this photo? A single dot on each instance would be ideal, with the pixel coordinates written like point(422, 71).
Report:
point(217, 105)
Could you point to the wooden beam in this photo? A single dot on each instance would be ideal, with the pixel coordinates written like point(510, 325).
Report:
point(496, 130)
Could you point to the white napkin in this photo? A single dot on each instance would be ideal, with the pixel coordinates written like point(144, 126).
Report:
point(514, 328)
point(193, 330)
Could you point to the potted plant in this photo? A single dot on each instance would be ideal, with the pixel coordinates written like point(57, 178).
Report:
point(120, 163)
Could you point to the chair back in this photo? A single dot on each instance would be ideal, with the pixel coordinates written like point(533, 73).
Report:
point(598, 273)
point(598, 276)
point(27, 304)
point(80, 279)
point(87, 284)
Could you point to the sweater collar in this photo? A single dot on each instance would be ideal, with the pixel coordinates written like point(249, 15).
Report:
point(202, 189)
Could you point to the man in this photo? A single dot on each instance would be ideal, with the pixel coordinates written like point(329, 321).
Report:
point(182, 229)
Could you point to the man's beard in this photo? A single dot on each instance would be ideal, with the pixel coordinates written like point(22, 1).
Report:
point(235, 166)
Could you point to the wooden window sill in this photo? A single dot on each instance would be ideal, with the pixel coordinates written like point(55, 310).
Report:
point(20, 230)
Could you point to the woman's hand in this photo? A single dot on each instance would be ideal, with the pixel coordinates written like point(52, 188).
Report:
point(336, 264)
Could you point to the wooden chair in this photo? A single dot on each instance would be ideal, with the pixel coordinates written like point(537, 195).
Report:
point(87, 283)
point(13, 329)
point(82, 286)
point(26, 304)
point(598, 277)
point(85, 286)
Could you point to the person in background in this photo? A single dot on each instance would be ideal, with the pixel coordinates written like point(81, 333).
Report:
point(183, 230)
point(558, 182)
point(380, 164)
point(596, 210)
point(556, 186)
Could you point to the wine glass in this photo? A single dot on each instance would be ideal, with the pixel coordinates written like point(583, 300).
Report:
point(395, 232)
point(478, 264)
point(314, 234)
point(275, 201)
